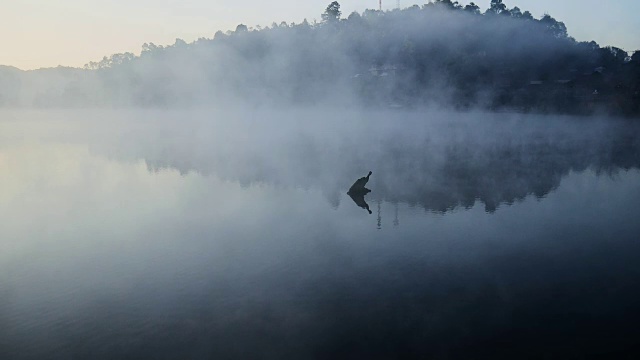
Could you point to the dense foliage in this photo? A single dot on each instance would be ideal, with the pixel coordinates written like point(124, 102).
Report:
point(440, 54)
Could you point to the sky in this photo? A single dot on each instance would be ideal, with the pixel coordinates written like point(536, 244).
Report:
point(45, 33)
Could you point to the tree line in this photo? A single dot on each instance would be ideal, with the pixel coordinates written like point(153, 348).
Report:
point(441, 53)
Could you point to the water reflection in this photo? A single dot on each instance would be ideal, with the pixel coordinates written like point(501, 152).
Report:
point(358, 198)
point(439, 165)
point(151, 240)
point(357, 191)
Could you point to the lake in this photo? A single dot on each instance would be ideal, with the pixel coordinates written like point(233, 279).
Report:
point(201, 234)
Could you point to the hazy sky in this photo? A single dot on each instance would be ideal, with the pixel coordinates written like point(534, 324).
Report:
point(45, 33)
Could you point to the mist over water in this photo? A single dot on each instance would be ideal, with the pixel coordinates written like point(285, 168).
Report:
point(445, 159)
point(210, 200)
point(228, 234)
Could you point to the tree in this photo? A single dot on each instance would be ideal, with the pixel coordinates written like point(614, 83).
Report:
point(516, 12)
point(332, 13)
point(113, 60)
point(241, 28)
point(612, 57)
point(472, 8)
point(355, 19)
point(370, 14)
point(447, 4)
point(553, 26)
point(526, 16)
point(354, 16)
point(150, 47)
point(496, 7)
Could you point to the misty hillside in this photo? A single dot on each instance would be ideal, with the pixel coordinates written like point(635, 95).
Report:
point(438, 54)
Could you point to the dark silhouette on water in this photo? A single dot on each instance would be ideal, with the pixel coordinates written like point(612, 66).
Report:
point(357, 191)
point(358, 186)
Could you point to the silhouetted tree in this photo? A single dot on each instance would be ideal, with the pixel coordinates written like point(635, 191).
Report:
point(332, 13)
point(553, 26)
point(612, 57)
point(472, 8)
point(446, 4)
point(496, 7)
point(111, 61)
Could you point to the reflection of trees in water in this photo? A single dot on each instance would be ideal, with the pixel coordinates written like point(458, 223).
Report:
point(445, 168)
point(500, 172)
point(491, 175)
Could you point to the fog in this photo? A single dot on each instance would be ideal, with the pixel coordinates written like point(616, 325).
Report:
point(191, 202)
point(181, 233)
point(437, 160)
point(440, 55)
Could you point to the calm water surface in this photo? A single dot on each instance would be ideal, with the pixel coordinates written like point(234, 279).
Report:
point(207, 235)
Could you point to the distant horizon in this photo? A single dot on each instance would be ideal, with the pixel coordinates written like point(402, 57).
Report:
point(73, 33)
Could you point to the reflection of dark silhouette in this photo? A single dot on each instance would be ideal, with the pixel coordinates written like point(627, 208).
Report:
point(358, 198)
point(465, 168)
point(357, 191)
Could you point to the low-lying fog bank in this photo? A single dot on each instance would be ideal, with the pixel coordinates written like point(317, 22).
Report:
point(437, 160)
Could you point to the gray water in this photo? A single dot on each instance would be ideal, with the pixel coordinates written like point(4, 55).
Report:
point(211, 235)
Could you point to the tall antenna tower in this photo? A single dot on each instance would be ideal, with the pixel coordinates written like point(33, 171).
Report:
point(380, 5)
point(398, 4)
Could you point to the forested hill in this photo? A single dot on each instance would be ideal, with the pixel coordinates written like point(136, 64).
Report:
point(438, 54)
